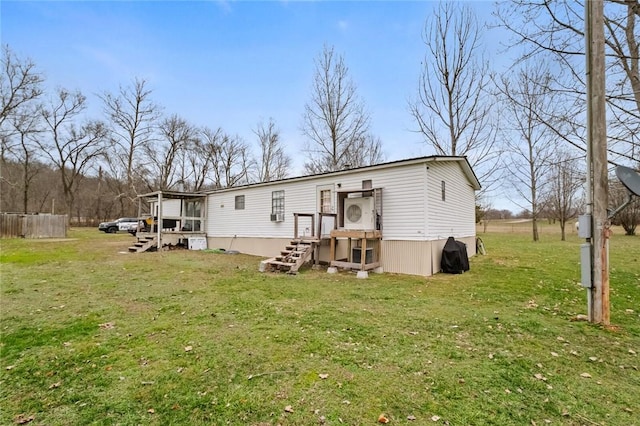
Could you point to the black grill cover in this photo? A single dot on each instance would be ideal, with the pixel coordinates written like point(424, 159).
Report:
point(454, 257)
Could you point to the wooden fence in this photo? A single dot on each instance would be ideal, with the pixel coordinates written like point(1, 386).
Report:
point(33, 225)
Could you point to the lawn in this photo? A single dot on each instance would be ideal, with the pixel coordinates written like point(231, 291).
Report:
point(92, 335)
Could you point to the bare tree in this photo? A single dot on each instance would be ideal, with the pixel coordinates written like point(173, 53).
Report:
point(556, 28)
point(201, 157)
point(26, 123)
point(453, 108)
point(563, 198)
point(629, 217)
point(232, 162)
point(335, 121)
point(73, 149)
point(20, 84)
point(274, 161)
point(20, 89)
point(177, 134)
point(530, 142)
point(365, 150)
point(483, 206)
point(133, 117)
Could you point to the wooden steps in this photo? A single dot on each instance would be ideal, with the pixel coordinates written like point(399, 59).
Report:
point(291, 258)
point(143, 244)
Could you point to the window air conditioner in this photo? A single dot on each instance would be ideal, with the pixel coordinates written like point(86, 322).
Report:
point(279, 217)
point(359, 213)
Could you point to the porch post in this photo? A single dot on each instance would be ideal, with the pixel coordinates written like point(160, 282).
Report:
point(159, 222)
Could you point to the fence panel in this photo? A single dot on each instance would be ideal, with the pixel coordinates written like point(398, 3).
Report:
point(33, 226)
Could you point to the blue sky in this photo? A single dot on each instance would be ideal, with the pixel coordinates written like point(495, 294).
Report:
point(231, 64)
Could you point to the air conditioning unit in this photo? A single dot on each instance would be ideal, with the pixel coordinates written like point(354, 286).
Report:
point(359, 213)
point(277, 217)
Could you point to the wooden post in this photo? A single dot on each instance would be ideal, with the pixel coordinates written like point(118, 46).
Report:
point(159, 222)
point(363, 252)
point(597, 146)
point(332, 250)
point(139, 215)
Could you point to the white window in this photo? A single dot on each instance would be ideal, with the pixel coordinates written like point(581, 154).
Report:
point(325, 201)
point(239, 202)
point(277, 206)
point(193, 211)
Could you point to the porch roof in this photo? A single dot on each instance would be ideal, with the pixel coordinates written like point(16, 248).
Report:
point(172, 194)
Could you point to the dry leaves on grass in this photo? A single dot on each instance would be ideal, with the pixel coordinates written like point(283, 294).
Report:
point(188, 348)
point(107, 325)
point(288, 409)
point(323, 376)
point(23, 419)
point(383, 419)
point(585, 375)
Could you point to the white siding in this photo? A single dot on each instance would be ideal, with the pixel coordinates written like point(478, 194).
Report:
point(456, 215)
point(170, 207)
point(415, 220)
point(255, 219)
point(402, 194)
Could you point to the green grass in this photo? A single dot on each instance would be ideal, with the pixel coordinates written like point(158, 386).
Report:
point(94, 336)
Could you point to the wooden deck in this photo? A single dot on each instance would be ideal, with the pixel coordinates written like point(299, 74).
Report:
point(367, 239)
point(149, 240)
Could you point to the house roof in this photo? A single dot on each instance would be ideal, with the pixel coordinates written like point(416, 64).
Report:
point(464, 164)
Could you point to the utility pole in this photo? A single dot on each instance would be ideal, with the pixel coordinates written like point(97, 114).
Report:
point(597, 173)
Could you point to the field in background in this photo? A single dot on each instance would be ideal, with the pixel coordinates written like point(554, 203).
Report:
point(93, 335)
point(523, 226)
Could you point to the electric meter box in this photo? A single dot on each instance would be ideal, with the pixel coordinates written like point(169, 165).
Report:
point(584, 226)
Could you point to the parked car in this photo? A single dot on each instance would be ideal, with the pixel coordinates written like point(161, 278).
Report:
point(122, 224)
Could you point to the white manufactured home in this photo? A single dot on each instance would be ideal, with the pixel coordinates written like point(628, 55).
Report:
point(394, 216)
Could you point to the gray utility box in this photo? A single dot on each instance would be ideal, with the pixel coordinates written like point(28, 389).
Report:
point(584, 226)
point(357, 255)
